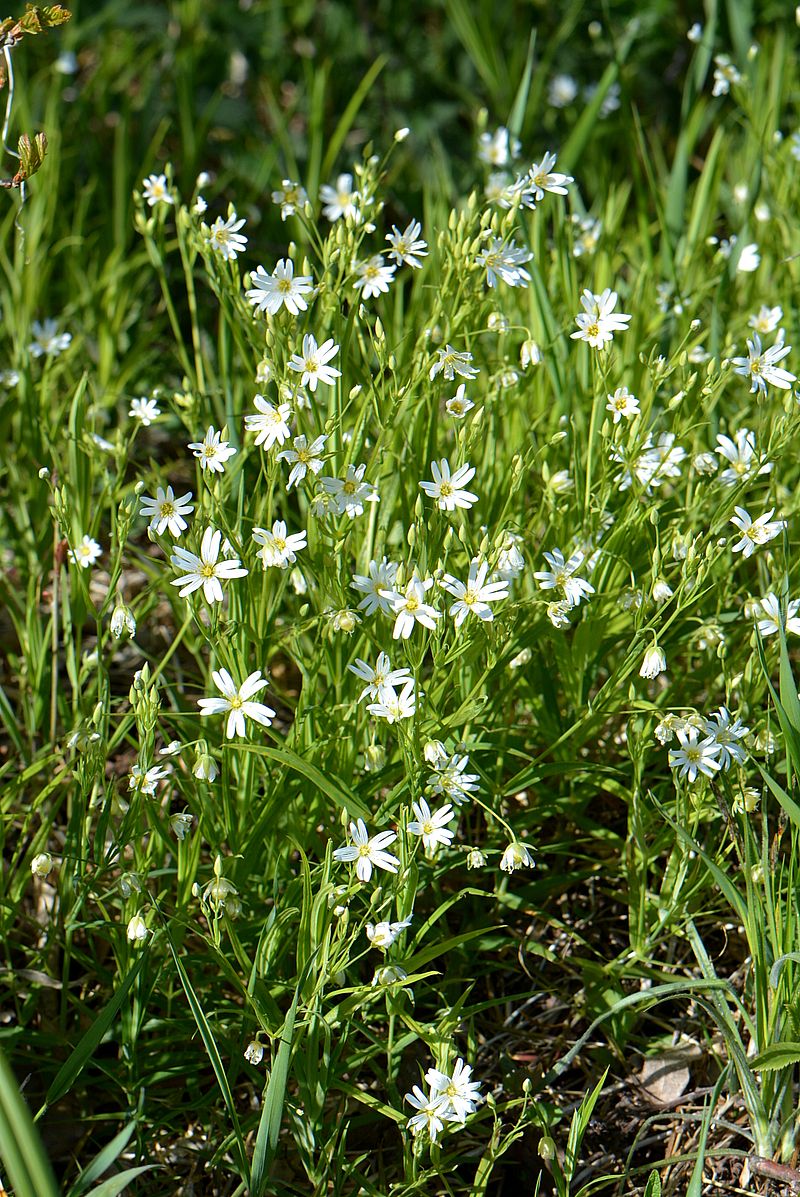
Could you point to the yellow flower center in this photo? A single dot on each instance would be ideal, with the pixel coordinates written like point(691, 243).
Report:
point(284, 285)
point(412, 603)
point(445, 489)
point(207, 570)
point(167, 509)
point(593, 330)
point(349, 487)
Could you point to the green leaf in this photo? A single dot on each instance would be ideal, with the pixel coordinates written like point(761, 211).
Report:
point(269, 1125)
point(115, 1184)
point(777, 1055)
point(74, 1065)
point(323, 782)
point(102, 1161)
point(31, 155)
point(21, 1149)
point(517, 116)
point(212, 1051)
point(653, 1186)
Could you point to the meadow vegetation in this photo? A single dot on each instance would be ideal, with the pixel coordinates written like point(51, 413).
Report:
point(399, 729)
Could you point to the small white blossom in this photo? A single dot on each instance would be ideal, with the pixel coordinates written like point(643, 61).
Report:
point(277, 547)
point(167, 512)
point(271, 424)
point(237, 702)
point(312, 362)
point(155, 190)
point(145, 410)
point(450, 362)
point(271, 292)
point(86, 553)
point(407, 248)
point(368, 851)
point(212, 452)
point(755, 532)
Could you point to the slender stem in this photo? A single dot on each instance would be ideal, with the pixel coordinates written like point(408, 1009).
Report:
point(9, 102)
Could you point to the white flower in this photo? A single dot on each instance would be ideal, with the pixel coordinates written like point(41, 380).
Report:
point(137, 931)
point(86, 553)
point(368, 851)
point(349, 494)
point(587, 237)
point(462, 1092)
point(694, 755)
point(622, 403)
point(344, 620)
point(145, 410)
point(122, 621)
point(276, 547)
point(165, 511)
point(206, 570)
point(236, 700)
point(561, 91)
point(271, 425)
point(724, 75)
point(224, 236)
point(755, 532)
point(761, 366)
point(431, 826)
point(393, 707)
point(695, 33)
point(741, 453)
point(155, 190)
point(474, 596)
point(146, 780)
point(374, 276)
point(302, 458)
point(382, 681)
point(766, 320)
point(311, 362)
point(433, 1110)
point(205, 768)
point(562, 576)
point(530, 354)
point(407, 247)
point(181, 824)
point(452, 779)
point(47, 340)
point(542, 178)
point(726, 734)
point(662, 591)
point(254, 1052)
point(270, 292)
point(459, 404)
point(773, 620)
point(291, 197)
point(654, 662)
point(498, 148)
point(410, 608)
point(381, 578)
point(340, 201)
point(516, 856)
point(212, 452)
point(383, 935)
point(598, 322)
point(450, 362)
point(448, 489)
point(505, 262)
point(42, 864)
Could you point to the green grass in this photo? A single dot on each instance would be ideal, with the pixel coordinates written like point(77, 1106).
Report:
point(657, 912)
